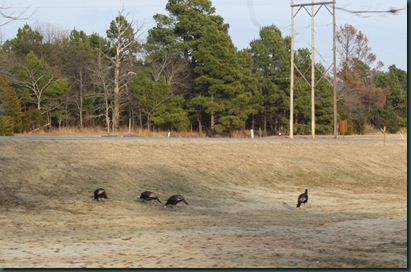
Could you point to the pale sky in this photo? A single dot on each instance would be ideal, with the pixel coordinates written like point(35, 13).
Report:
point(387, 33)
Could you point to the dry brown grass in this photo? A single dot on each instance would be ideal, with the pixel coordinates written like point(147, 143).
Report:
point(124, 131)
point(242, 196)
point(101, 131)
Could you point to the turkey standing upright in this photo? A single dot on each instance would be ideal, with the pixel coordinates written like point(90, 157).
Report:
point(302, 198)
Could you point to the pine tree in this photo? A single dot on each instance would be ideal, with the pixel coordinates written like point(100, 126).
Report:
point(218, 78)
point(271, 61)
point(10, 110)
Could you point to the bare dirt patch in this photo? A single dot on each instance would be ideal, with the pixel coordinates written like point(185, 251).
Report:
point(241, 213)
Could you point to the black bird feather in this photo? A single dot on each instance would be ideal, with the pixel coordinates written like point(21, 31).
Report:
point(302, 198)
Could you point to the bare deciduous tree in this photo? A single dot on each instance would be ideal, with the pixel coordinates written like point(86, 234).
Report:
point(123, 37)
point(100, 74)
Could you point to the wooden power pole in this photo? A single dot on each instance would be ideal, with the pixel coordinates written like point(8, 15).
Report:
point(292, 74)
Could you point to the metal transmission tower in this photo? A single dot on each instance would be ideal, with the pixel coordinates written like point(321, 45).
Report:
point(313, 83)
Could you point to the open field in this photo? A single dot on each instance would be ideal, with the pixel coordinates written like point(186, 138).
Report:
point(241, 194)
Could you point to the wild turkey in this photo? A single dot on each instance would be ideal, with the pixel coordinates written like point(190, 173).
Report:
point(302, 198)
point(174, 199)
point(148, 196)
point(100, 193)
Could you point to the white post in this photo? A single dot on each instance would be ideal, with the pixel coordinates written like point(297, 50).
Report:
point(252, 133)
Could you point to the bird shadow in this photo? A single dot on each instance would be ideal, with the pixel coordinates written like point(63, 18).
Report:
point(287, 206)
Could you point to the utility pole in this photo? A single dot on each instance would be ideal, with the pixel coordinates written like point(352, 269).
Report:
point(335, 73)
point(313, 84)
point(292, 74)
point(312, 73)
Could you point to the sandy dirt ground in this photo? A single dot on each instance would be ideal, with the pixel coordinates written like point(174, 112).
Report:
point(241, 213)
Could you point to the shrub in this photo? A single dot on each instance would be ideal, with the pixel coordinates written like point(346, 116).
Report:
point(6, 125)
point(32, 119)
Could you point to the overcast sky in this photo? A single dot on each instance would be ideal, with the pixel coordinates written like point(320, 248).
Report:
point(387, 33)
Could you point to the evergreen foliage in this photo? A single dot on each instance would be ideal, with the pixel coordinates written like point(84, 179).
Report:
point(272, 64)
point(10, 110)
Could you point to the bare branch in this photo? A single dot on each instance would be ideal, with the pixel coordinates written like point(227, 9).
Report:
point(10, 17)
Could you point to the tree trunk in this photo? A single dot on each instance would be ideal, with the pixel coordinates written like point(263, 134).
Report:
point(265, 124)
point(81, 101)
point(212, 121)
point(140, 117)
point(116, 98)
point(107, 113)
point(39, 102)
point(148, 122)
point(116, 113)
point(200, 126)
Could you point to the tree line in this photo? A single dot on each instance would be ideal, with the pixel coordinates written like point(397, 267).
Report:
point(188, 76)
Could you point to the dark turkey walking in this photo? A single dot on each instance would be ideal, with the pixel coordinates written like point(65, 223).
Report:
point(175, 199)
point(99, 194)
point(148, 196)
point(302, 198)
